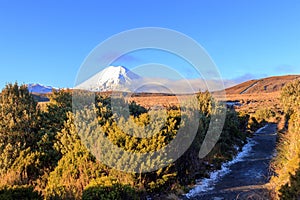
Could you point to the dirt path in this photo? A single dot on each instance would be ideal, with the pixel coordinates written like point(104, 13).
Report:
point(247, 178)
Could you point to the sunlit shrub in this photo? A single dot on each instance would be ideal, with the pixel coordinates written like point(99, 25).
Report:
point(107, 188)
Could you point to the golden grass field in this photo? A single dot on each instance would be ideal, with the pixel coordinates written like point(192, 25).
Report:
point(250, 102)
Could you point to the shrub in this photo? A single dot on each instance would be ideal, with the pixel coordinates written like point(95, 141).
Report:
point(264, 114)
point(23, 192)
point(106, 188)
point(292, 190)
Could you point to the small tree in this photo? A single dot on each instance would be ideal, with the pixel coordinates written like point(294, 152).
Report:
point(18, 125)
point(290, 97)
point(76, 167)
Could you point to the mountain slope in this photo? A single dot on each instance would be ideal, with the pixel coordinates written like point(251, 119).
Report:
point(265, 85)
point(111, 78)
point(38, 88)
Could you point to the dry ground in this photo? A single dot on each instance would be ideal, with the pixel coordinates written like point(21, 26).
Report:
point(250, 102)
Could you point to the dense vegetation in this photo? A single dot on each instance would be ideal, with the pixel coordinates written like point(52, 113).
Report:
point(43, 156)
point(286, 182)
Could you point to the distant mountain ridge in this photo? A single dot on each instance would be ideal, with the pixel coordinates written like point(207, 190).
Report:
point(115, 77)
point(38, 88)
point(264, 85)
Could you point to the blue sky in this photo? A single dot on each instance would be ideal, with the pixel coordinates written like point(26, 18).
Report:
point(47, 41)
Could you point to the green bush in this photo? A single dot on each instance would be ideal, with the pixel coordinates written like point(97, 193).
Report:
point(108, 189)
point(19, 192)
point(264, 114)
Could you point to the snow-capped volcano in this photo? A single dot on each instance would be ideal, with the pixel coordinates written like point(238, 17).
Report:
point(111, 78)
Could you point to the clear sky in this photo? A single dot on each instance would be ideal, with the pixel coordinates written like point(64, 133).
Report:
point(47, 41)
